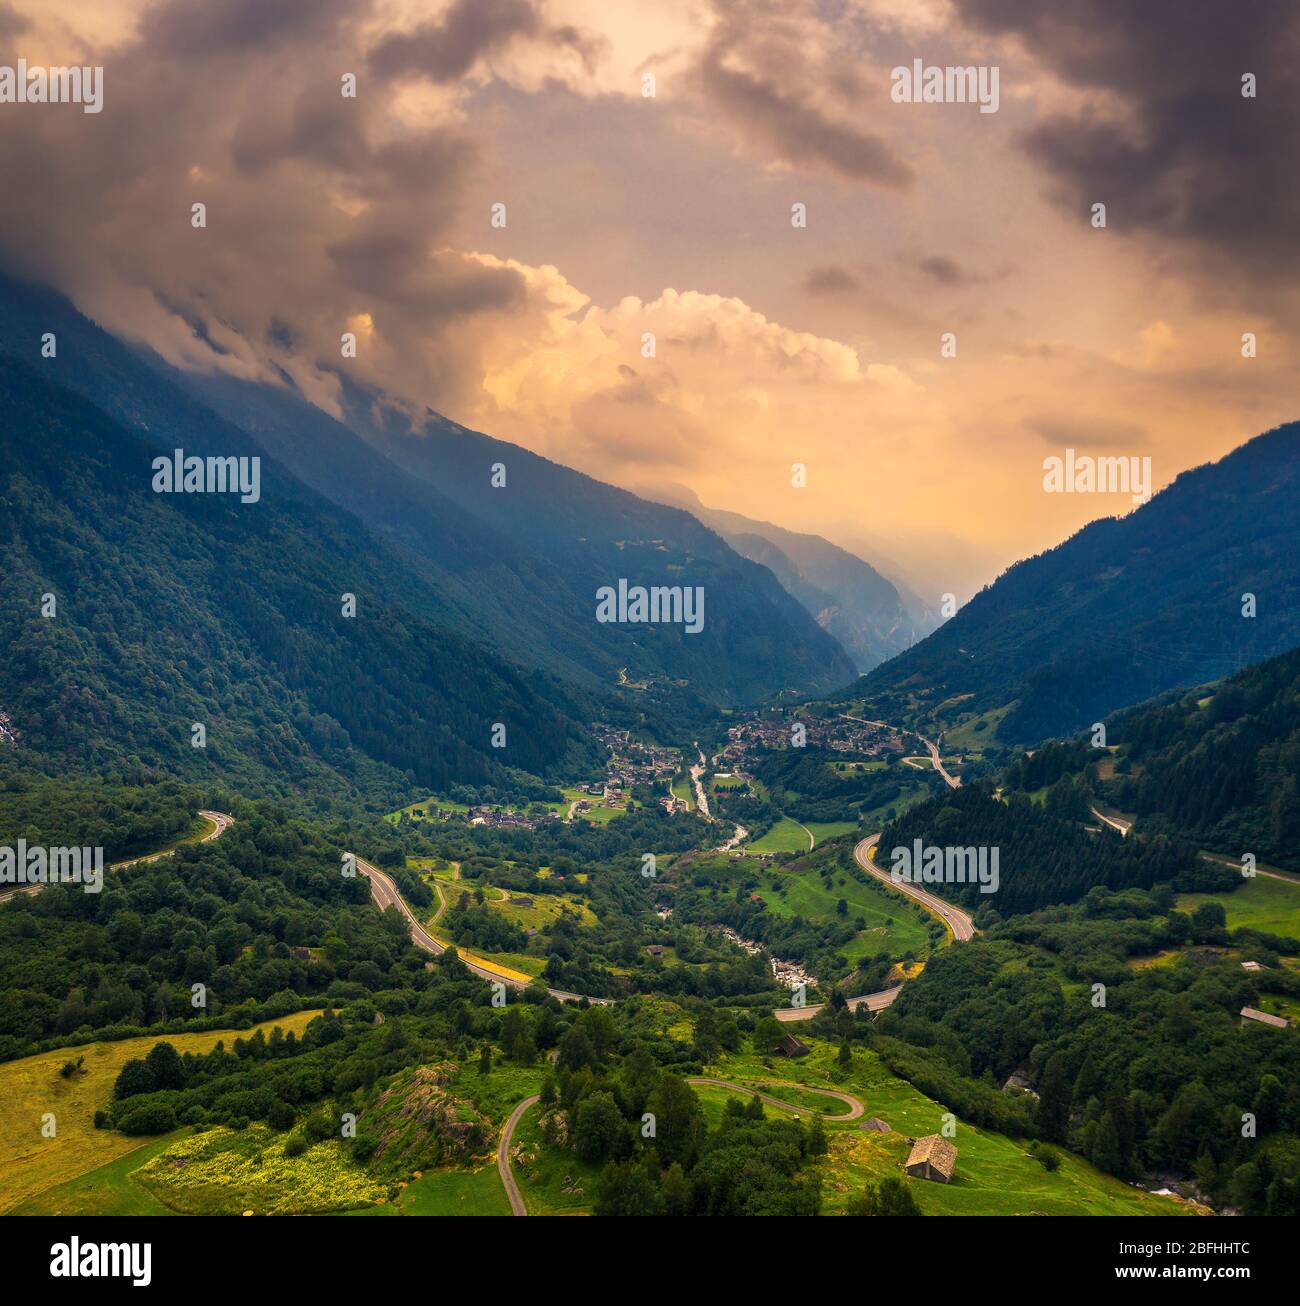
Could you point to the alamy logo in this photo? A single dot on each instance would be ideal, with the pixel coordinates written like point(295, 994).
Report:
point(37, 85)
point(922, 864)
point(20, 864)
point(1129, 475)
point(194, 475)
point(77, 1260)
point(921, 85)
point(682, 604)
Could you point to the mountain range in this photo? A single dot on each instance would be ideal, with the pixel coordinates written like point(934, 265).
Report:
point(476, 602)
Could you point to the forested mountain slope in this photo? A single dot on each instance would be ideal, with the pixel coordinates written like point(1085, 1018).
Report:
point(1124, 610)
point(515, 567)
point(1219, 765)
point(175, 609)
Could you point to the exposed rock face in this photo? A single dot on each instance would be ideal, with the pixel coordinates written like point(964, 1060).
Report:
point(419, 1124)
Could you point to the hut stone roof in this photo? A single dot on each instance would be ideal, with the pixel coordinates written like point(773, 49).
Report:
point(940, 1153)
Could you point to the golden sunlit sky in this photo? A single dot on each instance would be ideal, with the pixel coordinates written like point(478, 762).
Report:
point(628, 213)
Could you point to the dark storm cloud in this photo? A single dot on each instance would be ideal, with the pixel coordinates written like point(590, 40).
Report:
point(446, 49)
point(757, 68)
point(394, 266)
point(323, 212)
point(11, 23)
point(1072, 431)
point(801, 131)
point(193, 29)
point(1172, 147)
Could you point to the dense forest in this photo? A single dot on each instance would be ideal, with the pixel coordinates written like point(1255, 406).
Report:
point(1141, 1070)
point(1220, 766)
point(1045, 854)
point(170, 610)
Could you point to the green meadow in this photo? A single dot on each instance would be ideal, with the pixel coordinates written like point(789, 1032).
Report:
point(1261, 903)
point(786, 836)
point(893, 925)
point(995, 1175)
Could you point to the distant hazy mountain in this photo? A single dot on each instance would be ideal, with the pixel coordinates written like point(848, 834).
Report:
point(1127, 608)
point(872, 617)
point(515, 569)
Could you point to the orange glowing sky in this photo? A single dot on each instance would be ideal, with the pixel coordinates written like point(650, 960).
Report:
point(670, 214)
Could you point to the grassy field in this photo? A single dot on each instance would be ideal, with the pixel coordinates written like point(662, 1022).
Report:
point(426, 807)
point(786, 836)
point(446, 1192)
point(113, 1190)
point(106, 1190)
point(995, 1175)
point(229, 1172)
point(545, 908)
point(823, 830)
point(893, 926)
point(252, 1175)
point(1260, 903)
point(909, 796)
point(552, 1181)
point(29, 1164)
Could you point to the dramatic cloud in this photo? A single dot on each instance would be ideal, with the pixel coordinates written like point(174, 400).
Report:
point(648, 312)
point(767, 67)
point(946, 271)
point(447, 48)
point(1163, 134)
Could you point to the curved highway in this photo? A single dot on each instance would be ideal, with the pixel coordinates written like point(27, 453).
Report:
point(221, 822)
point(958, 923)
point(385, 894)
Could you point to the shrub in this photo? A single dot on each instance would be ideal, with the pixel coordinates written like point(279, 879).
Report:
point(151, 1118)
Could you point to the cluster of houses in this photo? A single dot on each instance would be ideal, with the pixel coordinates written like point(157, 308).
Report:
point(772, 730)
point(633, 762)
point(494, 819)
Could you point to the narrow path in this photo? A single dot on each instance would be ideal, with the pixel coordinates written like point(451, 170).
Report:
point(1269, 873)
point(517, 1205)
point(855, 1108)
point(812, 842)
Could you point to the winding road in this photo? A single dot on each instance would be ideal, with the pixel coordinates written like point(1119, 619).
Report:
point(221, 822)
point(384, 892)
point(958, 923)
point(517, 1205)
